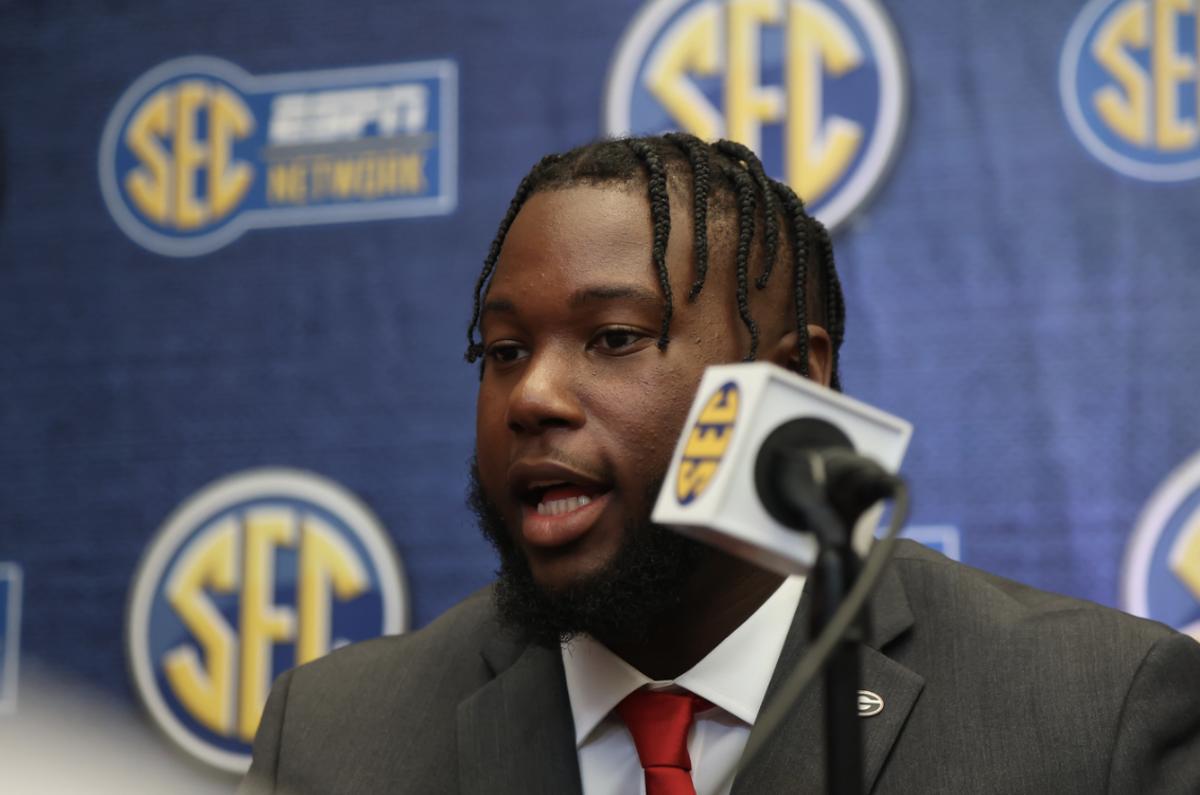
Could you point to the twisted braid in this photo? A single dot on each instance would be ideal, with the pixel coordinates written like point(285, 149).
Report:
point(746, 211)
point(660, 214)
point(770, 207)
point(835, 305)
point(474, 348)
point(699, 158)
point(798, 224)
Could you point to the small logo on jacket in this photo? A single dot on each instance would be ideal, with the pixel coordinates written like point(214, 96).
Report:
point(869, 703)
point(816, 87)
point(197, 151)
point(256, 573)
point(1160, 577)
point(1129, 78)
point(707, 443)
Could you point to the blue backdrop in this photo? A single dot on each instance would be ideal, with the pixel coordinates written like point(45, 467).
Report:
point(1026, 303)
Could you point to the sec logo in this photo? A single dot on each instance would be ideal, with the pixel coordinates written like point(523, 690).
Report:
point(1128, 78)
point(707, 443)
point(256, 573)
point(197, 150)
point(1161, 573)
point(816, 88)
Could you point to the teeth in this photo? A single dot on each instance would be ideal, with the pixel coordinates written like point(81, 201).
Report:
point(557, 507)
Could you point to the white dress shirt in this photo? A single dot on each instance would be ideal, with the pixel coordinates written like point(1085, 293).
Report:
point(733, 677)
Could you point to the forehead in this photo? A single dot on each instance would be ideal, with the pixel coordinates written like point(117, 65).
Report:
point(578, 235)
point(580, 240)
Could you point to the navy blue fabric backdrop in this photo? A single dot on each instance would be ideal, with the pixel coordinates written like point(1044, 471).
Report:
point(1031, 308)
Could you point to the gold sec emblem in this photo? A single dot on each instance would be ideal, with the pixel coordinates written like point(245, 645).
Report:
point(707, 443)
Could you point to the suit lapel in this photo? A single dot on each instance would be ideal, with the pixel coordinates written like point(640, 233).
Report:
point(515, 734)
point(794, 759)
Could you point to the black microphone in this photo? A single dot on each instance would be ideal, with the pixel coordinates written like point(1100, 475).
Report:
point(730, 487)
point(806, 463)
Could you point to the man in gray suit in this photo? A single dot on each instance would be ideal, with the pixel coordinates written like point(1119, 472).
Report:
point(612, 655)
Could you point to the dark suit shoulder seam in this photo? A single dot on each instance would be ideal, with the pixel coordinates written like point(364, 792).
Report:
point(1112, 753)
point(995, 582)
point(287, 689)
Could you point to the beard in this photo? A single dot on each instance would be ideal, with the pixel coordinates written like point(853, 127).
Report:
point(623, 599)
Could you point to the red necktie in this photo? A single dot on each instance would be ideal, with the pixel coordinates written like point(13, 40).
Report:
point(659, 722)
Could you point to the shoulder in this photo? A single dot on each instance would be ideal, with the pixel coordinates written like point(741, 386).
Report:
point(1033, 686)
point(376, 712)
point(990, 609)
point(987, 642)
point(450, 643)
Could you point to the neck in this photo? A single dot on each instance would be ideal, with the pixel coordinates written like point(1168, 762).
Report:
point(719, 597)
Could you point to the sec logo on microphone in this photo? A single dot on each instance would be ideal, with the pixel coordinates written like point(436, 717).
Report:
point(707, 442)
point(1128, 78)
point(1160, 577)
point(817, 88)
point(256, 573)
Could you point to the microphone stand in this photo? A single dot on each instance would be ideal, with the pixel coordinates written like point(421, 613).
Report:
point(835, 571)
point(801, 477)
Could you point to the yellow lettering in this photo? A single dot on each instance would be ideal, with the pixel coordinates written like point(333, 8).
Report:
point(818, 150)
point(747, 103)
point(149, 184)
point(287, 183)
point(411, 173)
point(164, 185)
point(1128, 113)
point(721, 409)
point(692, 46)
point(263, 623)
point(322, 177)
point(1170, 69)
point(388, 177)
point(371, 175)
point(327, 563)
point(344, 174)
point(190, 154)
point(205, 689)
point(374, 176)
point(694, 477)
point(708, 441)
point(228, 120)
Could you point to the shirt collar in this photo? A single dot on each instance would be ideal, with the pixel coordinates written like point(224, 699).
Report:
point(733, 676)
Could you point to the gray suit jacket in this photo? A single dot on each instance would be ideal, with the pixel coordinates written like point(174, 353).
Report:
point(988, 687)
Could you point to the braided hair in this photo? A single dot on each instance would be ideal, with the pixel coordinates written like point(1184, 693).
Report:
point(723, 175)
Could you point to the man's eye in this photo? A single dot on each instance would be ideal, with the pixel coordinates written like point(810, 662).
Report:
point(618, 340)
point(505, 352)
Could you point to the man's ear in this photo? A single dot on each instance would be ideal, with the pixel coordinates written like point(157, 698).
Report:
point(786, 353)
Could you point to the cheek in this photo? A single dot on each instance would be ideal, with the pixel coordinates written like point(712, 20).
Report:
point(645, 420)
point(490, 433)
point(672, 399)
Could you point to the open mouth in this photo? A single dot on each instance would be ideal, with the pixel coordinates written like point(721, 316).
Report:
point(556, 499)
point(560, 504)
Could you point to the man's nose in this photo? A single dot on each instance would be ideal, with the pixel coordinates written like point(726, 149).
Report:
point(545, 396)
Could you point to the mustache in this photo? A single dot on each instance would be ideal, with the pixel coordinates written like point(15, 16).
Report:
point(599, 472)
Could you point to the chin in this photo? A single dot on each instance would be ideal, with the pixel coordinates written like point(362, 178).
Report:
point(613, 582)
point(555, 571)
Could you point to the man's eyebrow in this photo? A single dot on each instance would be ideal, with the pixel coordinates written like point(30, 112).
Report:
point(498, 305)
point(590, 295)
